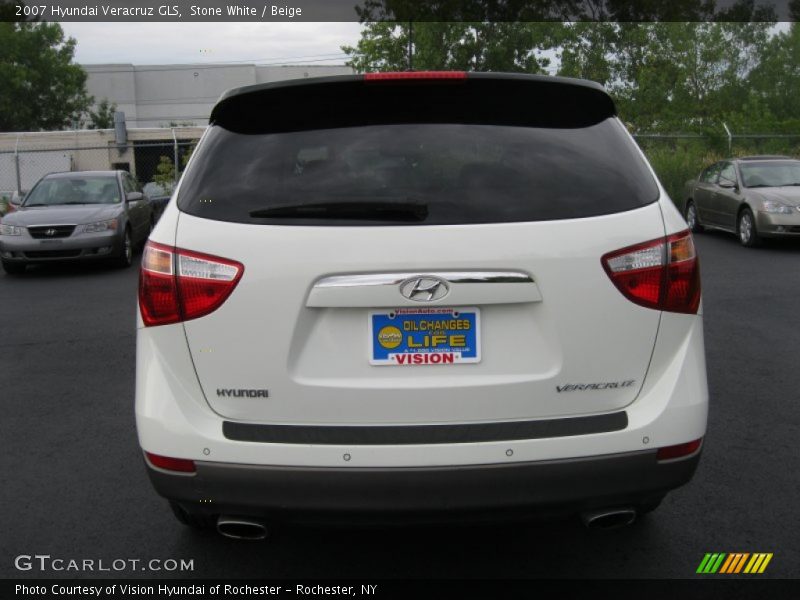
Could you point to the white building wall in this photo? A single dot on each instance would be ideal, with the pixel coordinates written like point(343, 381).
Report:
point(269, 74)
point(157, 95)
point(115, 82)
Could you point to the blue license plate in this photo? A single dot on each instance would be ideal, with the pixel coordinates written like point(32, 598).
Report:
point(424, 336)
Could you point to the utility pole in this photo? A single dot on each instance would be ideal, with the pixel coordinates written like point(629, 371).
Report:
point(410, 50)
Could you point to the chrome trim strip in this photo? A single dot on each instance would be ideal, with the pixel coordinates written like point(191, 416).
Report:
point(376, 279)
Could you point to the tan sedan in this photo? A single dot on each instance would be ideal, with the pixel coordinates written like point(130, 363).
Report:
point(754, 197)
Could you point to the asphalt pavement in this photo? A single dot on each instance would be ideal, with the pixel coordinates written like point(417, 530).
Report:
point(74, 486)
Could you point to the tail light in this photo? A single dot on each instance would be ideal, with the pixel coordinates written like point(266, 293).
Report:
point(679, 450)
point(663, 274)
point(177, 285)
point(406, 75)
point(182, 465)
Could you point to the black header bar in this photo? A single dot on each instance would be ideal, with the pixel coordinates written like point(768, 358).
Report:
point(397, 10)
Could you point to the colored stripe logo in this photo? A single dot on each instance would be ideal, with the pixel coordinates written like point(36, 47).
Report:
point(734, 563)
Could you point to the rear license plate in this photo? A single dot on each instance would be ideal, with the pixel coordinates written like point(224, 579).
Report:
point(424, 336)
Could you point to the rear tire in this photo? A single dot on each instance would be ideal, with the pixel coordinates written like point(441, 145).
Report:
point(746, 229)
point(196, 521)
point(692, 219)
point(13, 268)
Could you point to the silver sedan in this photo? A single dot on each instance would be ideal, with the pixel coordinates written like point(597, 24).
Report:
point(754, 197)
point(83, 215)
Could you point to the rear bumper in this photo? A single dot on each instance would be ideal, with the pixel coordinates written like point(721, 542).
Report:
point(570, 485)
point(252, 469)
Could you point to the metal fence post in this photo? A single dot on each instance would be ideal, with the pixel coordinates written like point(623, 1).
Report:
point(175, 164)
point(730, 139)
point(16, 166)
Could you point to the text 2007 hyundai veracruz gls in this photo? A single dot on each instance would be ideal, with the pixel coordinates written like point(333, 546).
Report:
point(418, 293)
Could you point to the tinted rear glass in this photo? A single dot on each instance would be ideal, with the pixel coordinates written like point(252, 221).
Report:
point(459, 173)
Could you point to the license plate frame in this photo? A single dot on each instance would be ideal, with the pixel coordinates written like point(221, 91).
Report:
point(398, 337)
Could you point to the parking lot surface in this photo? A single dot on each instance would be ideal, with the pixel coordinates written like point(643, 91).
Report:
point(74, 485)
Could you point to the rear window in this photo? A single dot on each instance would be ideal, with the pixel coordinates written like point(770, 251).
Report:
point(419, 174)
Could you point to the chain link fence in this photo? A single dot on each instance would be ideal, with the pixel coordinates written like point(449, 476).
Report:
point(151, 162)
point(676, 158)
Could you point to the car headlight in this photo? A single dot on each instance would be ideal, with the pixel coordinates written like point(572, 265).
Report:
point(110, 225)
point(771, 206)
point(10, 230)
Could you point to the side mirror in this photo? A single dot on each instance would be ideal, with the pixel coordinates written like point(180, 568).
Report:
point(728, 184)
point(16, 199)
point(134, 196)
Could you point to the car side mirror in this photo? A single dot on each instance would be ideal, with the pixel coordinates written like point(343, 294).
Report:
point(728, 184)
point(134, 196)
point(16, 200)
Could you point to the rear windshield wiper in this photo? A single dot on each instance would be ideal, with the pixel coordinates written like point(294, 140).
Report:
point(370, 211)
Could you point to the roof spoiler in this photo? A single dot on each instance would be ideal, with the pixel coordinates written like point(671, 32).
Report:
point(413, 97)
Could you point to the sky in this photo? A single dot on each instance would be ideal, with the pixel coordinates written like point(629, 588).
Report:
point(177, 43)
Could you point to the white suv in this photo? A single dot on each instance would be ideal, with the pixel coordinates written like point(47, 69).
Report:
point(416, 293)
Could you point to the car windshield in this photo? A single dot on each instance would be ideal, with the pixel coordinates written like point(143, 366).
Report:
point(74, 190)
point(770, 174)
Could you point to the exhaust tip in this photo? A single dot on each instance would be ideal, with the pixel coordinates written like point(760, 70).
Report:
point(610, 518)
point(239, 528)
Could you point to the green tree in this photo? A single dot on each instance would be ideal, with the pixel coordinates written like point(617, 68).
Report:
point(664, 75)
point(775, 92)
point(513, 47)
point(165, 173)
point(669, 76)
point(41, 88)
point(103, 116)
point(165, 170)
